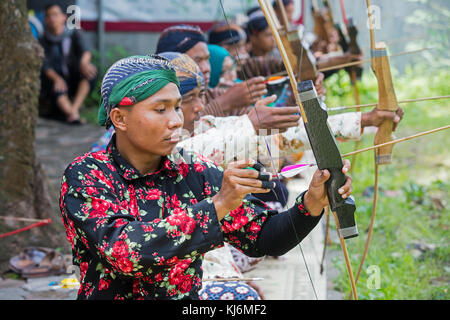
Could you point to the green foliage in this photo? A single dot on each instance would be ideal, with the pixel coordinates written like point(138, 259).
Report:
point(411, 231)
point(432, 17)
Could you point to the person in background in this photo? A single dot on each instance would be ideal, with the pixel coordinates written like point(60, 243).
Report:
point(236, 100)
point(260, 38)
point(67, 75)
point(223, 67)
point(231, 37)
point(288, 7)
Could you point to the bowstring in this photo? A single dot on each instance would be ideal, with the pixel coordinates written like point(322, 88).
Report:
point(268, 149)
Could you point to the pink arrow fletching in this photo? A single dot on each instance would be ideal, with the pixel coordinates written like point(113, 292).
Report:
point(292, 170)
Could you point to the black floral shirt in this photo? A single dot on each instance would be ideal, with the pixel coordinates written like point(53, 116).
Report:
point(144, 236)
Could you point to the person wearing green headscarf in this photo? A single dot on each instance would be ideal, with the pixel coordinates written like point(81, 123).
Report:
point(141, 215)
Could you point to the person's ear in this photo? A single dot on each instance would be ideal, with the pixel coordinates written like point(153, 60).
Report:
point(118, 117)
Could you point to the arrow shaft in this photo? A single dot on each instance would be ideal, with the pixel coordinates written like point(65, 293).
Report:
point(396, 141)
point(354, 63)
point(376, 103)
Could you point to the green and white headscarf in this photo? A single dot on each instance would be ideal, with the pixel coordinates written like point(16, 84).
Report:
point(131, 80)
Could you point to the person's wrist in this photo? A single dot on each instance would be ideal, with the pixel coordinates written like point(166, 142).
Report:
point(314, 206)
point(220, 207)
point(253, 120)
point(364, 119)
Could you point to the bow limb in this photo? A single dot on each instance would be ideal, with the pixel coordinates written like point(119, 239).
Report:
point(322, 142)
point(387, 101)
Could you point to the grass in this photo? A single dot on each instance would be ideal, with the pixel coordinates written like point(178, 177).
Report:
point(417, 216)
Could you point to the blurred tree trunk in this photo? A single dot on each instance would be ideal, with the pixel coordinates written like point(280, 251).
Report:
point(23, 188)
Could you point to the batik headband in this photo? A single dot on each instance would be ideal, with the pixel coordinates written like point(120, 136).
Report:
point(179, 38)
point(187, 70)
point(133, 79)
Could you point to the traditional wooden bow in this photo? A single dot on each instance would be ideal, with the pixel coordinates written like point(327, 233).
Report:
point(292, 52)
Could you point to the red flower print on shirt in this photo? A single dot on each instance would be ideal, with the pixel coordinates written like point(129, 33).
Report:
point(91, 191)
point(99, 207)
point(206, 189)
point(125, 265)
point(198, 167)
point(239, 211)
point(185, 283)
point(110, 167)
point(184, 169)
point(133, 206)
point(177, 217)
point(188, 225)
point(120, 249)
point(63, 189)
point(173, 202)
point(254, 227)
point(239, 222)
point(104, 284)
point(120, 222)
point(100, 156)
point(101, 176)
point(147, 228)
point(303, 210)
point(177, 271)
point(152, 194)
